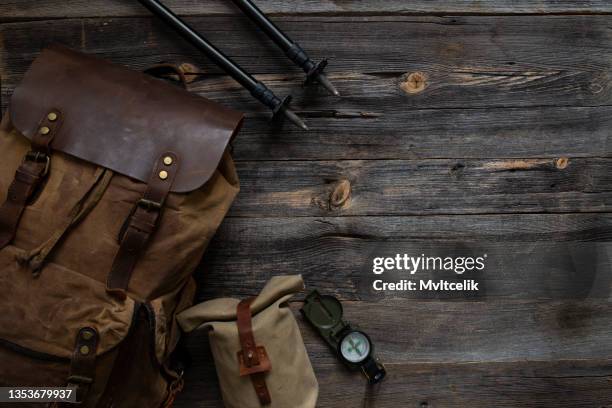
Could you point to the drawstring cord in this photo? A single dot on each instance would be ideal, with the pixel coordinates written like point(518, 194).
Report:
point(35, 258)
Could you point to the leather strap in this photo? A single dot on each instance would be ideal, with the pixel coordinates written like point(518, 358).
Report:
point(28, 177)
point(83, 362)
point(47, 129)
point(141, 224)
point(253, 359)
point(259, 382)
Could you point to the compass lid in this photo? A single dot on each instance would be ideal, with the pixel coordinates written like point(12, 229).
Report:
point(324, 311)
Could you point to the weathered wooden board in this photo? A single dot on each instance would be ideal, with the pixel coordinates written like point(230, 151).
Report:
point(559, 384)
point(449, 354)
point(466, 332)
point(517, 133)
point(550, 72)
point(335, 253)
point(513, 61)
point(539, 132)
point(253, 234)
point(557, 83)
point(398, 187)
point(24, 9)
point(462, 125)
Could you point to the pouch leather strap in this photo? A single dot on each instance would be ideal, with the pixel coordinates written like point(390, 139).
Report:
point(253, 359)
point(83, 362)
point(28, 177)
point(141, 224)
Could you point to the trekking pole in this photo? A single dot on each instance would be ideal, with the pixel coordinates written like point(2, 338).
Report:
point(260, 91)
point(314, 71)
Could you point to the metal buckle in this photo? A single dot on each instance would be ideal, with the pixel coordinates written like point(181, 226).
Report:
point(148, 204)
point(39, 157)
point(143, 203)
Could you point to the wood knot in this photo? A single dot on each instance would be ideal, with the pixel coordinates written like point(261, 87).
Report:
point(457, 170)
point(599, 83)
point(191, 71)
point(413, 83)
point(340, 195)
point(562, 162)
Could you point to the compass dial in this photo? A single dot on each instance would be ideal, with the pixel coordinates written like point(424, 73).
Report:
point(355, 347)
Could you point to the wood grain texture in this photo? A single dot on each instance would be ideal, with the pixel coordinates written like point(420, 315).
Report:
point(513, 87)
point(463, 125)
point(335, 253)
point(463, 58)
point(457, 332)
point(451, 354)
point(398, 187)
point(558, 384)
point(515, 133)
point(24, 9)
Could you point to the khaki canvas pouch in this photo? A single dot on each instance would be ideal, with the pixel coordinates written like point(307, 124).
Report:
point(287, 372)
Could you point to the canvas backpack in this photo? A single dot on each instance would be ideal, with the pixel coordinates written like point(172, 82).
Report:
point(112, 183)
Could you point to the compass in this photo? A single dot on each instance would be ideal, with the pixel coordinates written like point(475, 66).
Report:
point(355, 347)
point(352, 345)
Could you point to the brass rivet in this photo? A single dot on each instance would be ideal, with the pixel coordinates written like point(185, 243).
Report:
point(163, 174)
point(168, 160)
point(52, 116)
point(87, 335)
point(44, 130)
point(84, 350)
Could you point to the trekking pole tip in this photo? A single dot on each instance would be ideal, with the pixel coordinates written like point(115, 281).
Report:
point(326, 83)
point(295, 119)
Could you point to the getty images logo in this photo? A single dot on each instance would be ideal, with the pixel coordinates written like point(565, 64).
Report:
point(414, 264)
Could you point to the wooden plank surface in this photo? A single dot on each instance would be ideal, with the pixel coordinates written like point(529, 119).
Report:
point(515, 133)
point(24, 9)
point(437, 359)
point(512, 87)
point(399, 187)
point(464, 124)
point(554, 384)
point(533, 56)
point(443, 332)
point(335, 253)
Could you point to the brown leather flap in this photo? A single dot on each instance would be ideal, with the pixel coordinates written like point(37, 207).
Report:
point(121, 119)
